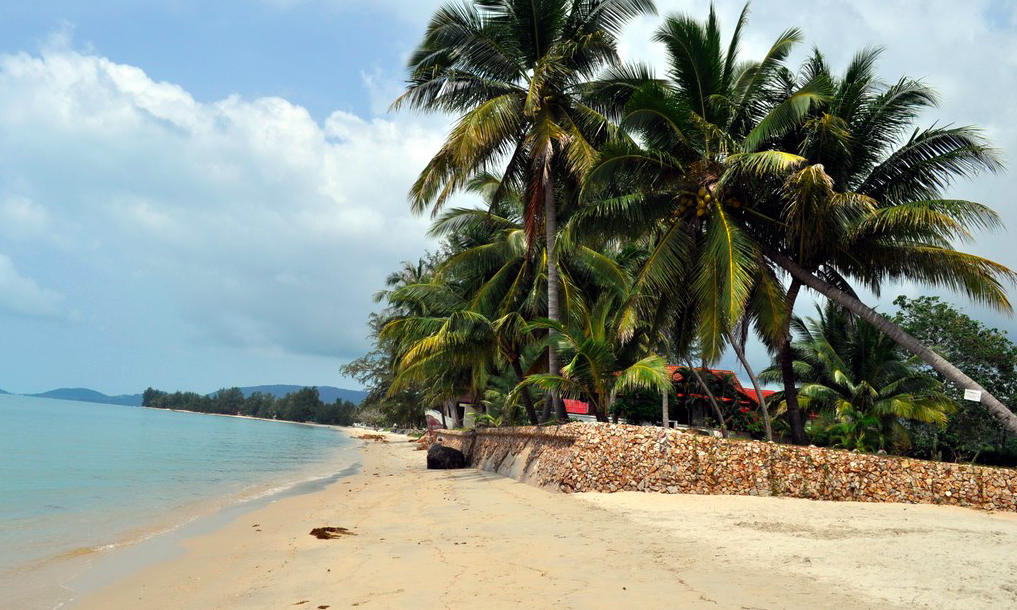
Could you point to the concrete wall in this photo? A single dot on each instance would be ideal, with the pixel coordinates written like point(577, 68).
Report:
point(615, 457)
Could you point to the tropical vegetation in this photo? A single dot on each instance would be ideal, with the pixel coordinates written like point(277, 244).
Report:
point(631, 220)
point(304, 405)
point(856, 384)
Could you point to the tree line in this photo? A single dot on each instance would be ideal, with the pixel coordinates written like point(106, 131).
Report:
point(633, 218)
point(304, 405)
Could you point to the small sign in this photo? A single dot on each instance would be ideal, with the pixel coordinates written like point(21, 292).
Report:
point(973, 395)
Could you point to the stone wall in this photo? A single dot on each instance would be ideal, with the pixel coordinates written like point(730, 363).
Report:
point(615, 457)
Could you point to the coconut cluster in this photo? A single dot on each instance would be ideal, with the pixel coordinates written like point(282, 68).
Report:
point(701, 201)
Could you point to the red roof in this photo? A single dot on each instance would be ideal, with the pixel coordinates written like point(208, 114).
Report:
point(748, 393)
point(576, 407)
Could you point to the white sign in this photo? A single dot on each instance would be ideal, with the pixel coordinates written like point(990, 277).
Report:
point(973, 395)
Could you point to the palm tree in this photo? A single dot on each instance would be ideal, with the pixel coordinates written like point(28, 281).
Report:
point(514, 70)
point(851, 370)
point(866, 203)
point(500, 281)
point(765, 202)
point(688, 132)
point(601, 360)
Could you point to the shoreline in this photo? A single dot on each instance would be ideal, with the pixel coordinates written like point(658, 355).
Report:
point(437, 538)
point(157, 542)
point(251, 417)
point(61, 578)
point(122, 561)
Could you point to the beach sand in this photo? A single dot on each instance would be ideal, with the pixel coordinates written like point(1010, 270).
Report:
point(447, 539)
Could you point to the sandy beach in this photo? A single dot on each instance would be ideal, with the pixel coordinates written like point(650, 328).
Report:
point(443, 539)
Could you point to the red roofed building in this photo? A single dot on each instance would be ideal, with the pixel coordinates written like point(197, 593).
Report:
point(744, 398)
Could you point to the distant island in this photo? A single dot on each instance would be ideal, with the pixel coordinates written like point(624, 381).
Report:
point(328, 394)
point(87, 395)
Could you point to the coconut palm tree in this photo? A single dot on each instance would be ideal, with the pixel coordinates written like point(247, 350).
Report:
point(851, 370)
point(514, 72)
point(603, 358)
point(705, 121)
point(765, 202)
point(866, 202)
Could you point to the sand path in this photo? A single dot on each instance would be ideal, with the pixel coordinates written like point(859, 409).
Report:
point(452, 539)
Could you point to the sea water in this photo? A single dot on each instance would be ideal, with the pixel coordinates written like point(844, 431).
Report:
point(78, 479)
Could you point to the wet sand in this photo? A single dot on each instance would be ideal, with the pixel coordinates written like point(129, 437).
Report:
point(435, 539)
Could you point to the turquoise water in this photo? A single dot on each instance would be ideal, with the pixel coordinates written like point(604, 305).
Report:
point(79, 478)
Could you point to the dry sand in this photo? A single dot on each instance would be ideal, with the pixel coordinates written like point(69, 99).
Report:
point(449, 539)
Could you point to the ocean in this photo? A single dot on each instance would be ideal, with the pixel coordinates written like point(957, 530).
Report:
point(80, 480)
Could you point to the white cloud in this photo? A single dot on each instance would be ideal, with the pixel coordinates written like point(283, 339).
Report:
point(21, 296)
point(268, 229)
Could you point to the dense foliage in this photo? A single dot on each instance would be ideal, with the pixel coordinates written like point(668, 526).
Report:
point(989, 357)
point(859, 388)
point(632, 220)
point(300, 406)
point(689, 405)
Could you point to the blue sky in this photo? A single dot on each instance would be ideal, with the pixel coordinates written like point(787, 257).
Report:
point(196, 195)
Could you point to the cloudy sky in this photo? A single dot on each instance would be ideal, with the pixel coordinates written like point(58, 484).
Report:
point(196, 195)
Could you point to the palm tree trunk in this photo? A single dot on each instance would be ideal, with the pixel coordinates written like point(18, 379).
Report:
point(602, 408)
point(755, 384)
point(531, 411)
point(545, 412)
point(553, 305)
point(937, 362)
point(787, 371)
point(664, 409)
point(713, 400)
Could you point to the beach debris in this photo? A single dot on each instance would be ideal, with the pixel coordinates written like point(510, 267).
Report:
point(329, 533)
point(440, 457)
point(378, 438)
point(306, 601)
point(322, 607)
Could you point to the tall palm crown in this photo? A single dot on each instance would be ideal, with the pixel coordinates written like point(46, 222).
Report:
point(514, 71)
point(705, 121)
point(865, 200)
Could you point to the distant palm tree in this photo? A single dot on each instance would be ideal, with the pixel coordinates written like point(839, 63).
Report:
point(514, 71)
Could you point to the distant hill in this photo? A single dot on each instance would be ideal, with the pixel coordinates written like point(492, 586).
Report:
point(86, 395)
point(327, 393)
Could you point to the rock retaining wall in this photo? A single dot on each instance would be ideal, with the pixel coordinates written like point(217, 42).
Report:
point(615, 457)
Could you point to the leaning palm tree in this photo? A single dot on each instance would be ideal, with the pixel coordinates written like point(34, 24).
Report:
point(854, 373)
point(514, 71)
point(866, 203)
